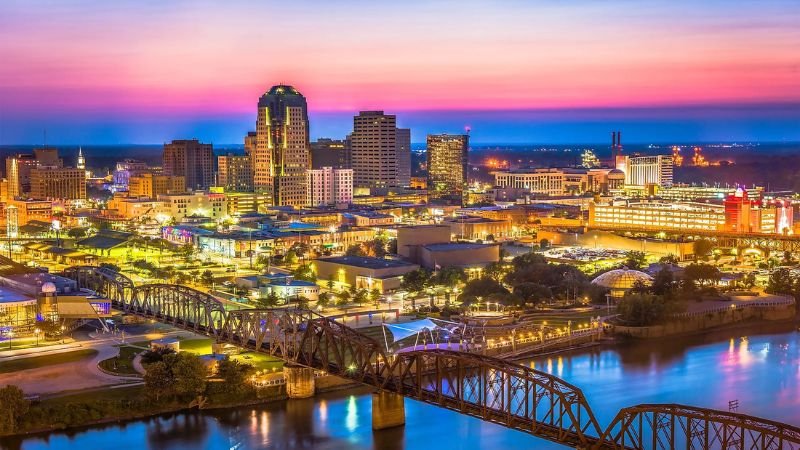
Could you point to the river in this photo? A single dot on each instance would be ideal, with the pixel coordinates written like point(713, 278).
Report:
point(761, 371)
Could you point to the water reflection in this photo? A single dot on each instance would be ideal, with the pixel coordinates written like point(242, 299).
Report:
point(761, 371)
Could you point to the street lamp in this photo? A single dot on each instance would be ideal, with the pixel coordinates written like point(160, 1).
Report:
point(36, 333)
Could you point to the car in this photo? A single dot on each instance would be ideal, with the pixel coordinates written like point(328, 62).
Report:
point(227, 283)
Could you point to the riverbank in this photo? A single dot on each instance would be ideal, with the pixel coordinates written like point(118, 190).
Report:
point(119, 405)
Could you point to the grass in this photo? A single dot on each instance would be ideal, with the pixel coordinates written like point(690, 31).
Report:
point(197, 346)
point(258, 360)
point(92, 395)
point(46, 360)
point(122, 364)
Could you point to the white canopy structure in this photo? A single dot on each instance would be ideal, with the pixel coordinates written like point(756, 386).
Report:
point(424, 327)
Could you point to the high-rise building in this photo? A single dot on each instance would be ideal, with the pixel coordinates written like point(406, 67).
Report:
point(447, 164)
point(250, 143)
point(403, 144)
point(18, 173)
point(281, 156)
point(330, 153)
point(192, 160)
point(329, 186)
point(235, 172)
point(63, 183)
point(152, 185)
point(48, 157)
point(644, 170)
point(374, 150)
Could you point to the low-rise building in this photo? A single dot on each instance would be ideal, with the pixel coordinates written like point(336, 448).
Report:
point(151, 185)
point(385, 275)
point(458, 254)
point(656, 216)
point(469, 227)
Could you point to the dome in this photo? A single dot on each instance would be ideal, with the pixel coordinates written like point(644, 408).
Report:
point(280, 96)
point(620, 281)
point(48, 288)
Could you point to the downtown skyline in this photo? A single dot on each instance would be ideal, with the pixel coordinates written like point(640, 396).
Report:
point(131, 73)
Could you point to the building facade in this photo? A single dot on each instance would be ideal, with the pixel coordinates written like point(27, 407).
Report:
point(65, 183)
point(235, 172)
point(18, 174)
point(645, 170)
point(124, 170)
point(192, 160)
point(281, 156)
point(403, 144)
point(330, 153)
point(374, 150)
point(151, 185)
point(447, 164)
point(329, 186)
point(657, 216)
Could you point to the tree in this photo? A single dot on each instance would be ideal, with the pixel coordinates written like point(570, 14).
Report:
point(701, 248)
point(355, 250)
point(544, 243)
point(449, 277)
point(343, 297)
point(158, 380)
point(645, 309)
point(490, 237)
point(78, 233)
point(669, 259)
point(330, 283)
point(324, 300)
point(702, 274)
point(532, 293)
point(188, 374)
point(234, 374)
point(527, 259)
point(305, 272)
point(263, 260)
point(207, 278)
point(495, 271)
point(780, 282)
point(375, 296)
point(360, 296)
point(481, 287)
point(271, 300)
point(635, 260)
point(290, 258)
point(14, 406)
point(663, 283)
point(416, 281)
point(155, 355)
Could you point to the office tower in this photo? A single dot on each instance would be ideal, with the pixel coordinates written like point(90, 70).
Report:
point(235, 172)
point(281, 156)
point(18, 173)
point(48, 157)
point(330, 186)
point(447, 164)
point(373, 150)
point(403, 144)
point(645, 170)
point(152, 185)
point(58, 183)
point(190, 159)
point(329, 153)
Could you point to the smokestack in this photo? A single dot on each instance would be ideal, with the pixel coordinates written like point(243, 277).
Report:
point(619, 139)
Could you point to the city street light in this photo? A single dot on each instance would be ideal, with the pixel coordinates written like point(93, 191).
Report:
point(36, 333)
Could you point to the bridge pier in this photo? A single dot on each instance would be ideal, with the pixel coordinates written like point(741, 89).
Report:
point(299, 381)
point(388, 410)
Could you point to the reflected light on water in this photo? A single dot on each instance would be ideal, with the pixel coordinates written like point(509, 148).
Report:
point(323, 411)
point(745, 358)
point(560, 366)
point(351, 420)
point(264, 428)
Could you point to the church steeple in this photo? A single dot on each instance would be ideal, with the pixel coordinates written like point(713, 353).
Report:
point(81, 160)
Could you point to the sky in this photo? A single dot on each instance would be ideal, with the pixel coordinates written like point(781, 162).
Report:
point(515, 71)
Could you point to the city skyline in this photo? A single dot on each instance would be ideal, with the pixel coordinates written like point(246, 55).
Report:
point(569, 73)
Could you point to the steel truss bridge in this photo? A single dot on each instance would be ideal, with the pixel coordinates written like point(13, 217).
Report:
point(488, 388)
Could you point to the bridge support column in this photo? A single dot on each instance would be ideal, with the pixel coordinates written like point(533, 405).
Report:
point(388, 410)
point(299, 381)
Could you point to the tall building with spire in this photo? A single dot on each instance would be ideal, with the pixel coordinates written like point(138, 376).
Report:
point(281, 155)
point(81, 163)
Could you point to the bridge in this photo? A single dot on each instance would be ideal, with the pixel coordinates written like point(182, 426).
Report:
point(485, 387)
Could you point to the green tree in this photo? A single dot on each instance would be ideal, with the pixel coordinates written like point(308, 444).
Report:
point(416, 281)
point(375, 296)
point(110, 266)
point(544, 244)
point(290, 258)
point(305, 272)
point(635, 260)
point(669, 259)
point(645, 309)
point(271, 300)
point(533, 293)
point(234, 374)
point(664, 283)
point(188, 374)
point(702, 274)
point(324, 300)
point(701, 248)
point(78, 233)
point(481, 287)
point(780, 282)
point(355, 250)
point(13, 406)
point(330, 283)
point(343, 297)
point(495, 271)
point(449, 277)
point(158, 380)
point(207, 278)
point(361, 296)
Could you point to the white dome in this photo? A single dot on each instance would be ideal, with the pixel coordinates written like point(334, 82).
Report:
point(48, 288)
point(620, 281)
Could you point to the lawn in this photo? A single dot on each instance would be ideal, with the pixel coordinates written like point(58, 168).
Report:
point(93, 395)
point(122, 364)
point(47, 360)
point(258, 360)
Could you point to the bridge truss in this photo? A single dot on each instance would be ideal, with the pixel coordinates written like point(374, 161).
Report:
point(489, 388)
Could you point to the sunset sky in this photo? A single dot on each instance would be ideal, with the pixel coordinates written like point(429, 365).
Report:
point(146, 71)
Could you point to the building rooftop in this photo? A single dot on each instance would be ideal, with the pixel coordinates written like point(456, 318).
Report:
point(456, 246)
point(368, 262)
